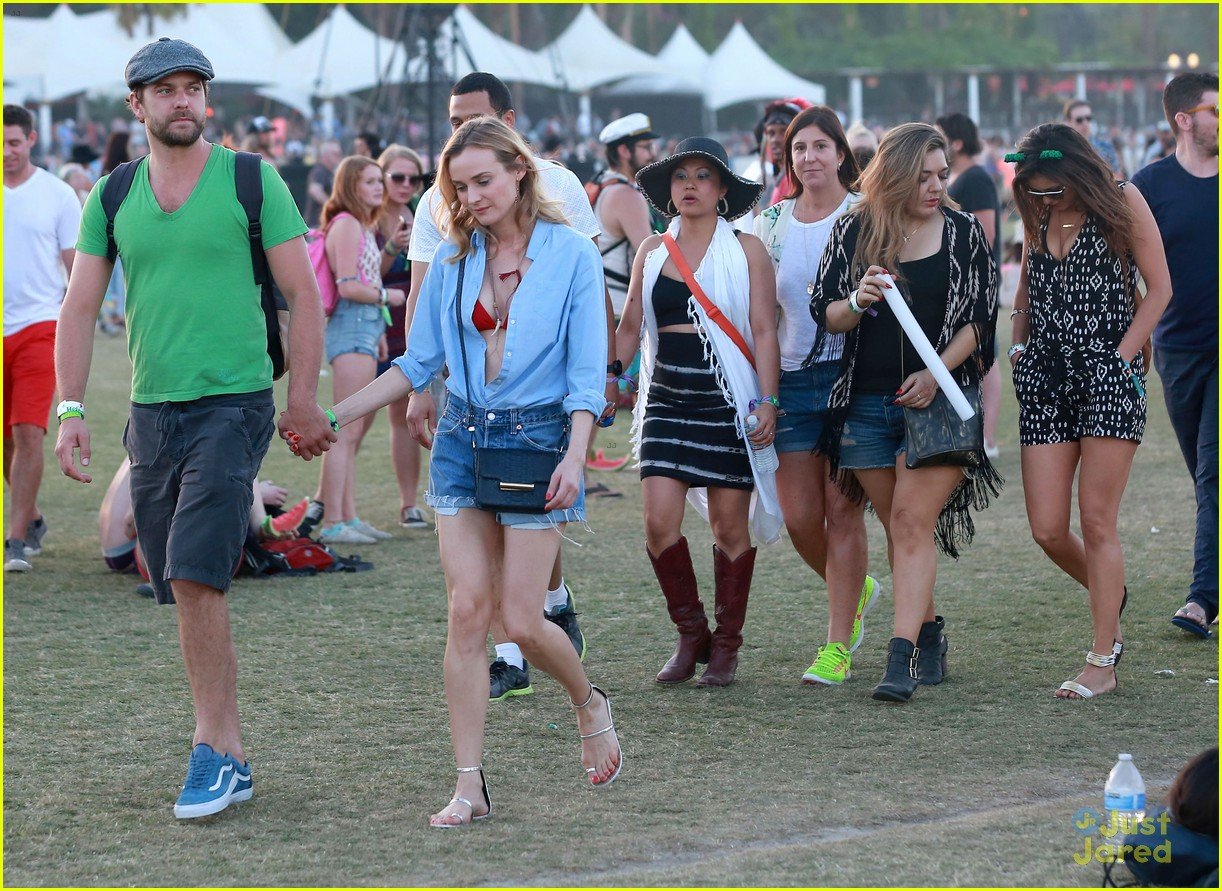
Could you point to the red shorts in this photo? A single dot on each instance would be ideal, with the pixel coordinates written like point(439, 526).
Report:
point(29, 376)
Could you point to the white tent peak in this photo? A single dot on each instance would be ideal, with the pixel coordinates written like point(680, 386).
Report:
point(740, 71)
point(591, 54)
point(683, 51)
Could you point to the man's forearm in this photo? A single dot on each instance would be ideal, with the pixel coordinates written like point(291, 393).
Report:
point(306, 326)
point(73, 353)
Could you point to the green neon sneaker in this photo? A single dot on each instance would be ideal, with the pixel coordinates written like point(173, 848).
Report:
point(869, 593)
point(831, 665)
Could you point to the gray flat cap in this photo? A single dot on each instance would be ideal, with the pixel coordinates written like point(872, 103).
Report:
point(164, 56)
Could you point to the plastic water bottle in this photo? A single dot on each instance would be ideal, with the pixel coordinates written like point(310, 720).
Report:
point(1124, 796)
point(765, 456)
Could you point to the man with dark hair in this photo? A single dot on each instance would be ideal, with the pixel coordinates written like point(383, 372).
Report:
point(973, 189)
point(202, 410)
point(321, 180)
point(41, 215)
point(477, 95)
point(1077, 114)
point(1182, 191)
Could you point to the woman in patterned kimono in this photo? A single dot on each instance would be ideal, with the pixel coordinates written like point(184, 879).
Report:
point(942, 265)
point(1080, 364)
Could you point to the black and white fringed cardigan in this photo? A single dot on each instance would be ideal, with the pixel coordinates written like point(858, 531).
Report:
point(972, 301)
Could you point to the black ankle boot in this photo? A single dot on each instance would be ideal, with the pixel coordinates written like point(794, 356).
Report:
point(900, 681)
point(931, 665)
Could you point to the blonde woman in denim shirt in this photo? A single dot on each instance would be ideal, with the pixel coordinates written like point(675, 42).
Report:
point(534, 324)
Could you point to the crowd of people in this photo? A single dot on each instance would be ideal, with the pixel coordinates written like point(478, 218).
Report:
point(803, 339)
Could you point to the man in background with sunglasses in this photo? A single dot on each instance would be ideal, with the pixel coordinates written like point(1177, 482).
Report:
point(1182, 191)
point(1078, 115)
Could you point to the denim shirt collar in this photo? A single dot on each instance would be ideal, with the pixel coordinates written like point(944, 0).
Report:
point(539, 238)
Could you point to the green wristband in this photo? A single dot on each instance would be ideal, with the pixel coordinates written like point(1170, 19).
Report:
point(331, 418)
point(71, 413)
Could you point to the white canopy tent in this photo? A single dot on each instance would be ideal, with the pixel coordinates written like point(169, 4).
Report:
point(463, 33)
point(340, 56)
point(591, 55)
point(740, 71)
point(683, 57)
point(65, 54)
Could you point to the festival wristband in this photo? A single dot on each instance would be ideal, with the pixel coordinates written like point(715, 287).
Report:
point(858, 310)
point(769, 400)
point(331, 420)
point(386, 315)
point(1141, 391)
point(69, 409)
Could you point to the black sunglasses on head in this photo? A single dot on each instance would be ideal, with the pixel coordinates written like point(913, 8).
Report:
point(399, 178)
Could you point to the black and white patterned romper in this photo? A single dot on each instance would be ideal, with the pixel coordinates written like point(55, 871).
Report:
point(1071, 382)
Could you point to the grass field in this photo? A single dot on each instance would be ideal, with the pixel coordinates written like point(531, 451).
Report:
point(764, 783)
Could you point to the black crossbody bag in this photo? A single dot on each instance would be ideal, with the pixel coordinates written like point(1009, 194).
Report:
point(510, 480)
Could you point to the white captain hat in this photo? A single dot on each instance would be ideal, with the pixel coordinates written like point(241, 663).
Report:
point(633, 126)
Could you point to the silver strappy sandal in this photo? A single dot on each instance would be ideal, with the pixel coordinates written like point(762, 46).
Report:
point(460, 800)
point(1099, 661)
point(591, 771)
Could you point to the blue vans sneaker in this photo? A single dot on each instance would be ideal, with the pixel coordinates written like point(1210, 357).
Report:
point(213, 783)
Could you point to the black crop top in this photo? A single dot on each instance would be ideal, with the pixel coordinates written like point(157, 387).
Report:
point(670, 298)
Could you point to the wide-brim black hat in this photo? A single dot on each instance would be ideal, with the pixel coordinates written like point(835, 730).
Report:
point(654, 180)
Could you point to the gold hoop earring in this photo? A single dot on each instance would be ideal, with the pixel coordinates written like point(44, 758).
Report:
point(724, 211)
point(671, 210)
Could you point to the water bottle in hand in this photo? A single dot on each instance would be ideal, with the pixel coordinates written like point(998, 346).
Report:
point(766, 459)
point(1124, 796)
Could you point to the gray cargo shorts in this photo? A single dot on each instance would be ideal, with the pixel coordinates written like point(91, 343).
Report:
point(193, 465)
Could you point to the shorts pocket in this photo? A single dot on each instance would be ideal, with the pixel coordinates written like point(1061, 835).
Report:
point(543, 436)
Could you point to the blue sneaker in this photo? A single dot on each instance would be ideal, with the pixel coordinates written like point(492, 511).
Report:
point(213, 783)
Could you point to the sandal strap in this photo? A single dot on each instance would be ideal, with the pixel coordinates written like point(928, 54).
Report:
point(479, 768)
point(589, 699)
point(1075, 687)
point(1101, 660)
point(606, 729)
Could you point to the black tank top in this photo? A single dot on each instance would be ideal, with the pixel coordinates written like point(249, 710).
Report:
point(670, 300)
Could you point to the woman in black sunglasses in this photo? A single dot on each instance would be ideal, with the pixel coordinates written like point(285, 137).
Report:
point(404, 177)
point(1080, 357)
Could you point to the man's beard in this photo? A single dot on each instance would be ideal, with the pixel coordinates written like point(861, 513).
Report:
point(176, 138)
point(1208, 149)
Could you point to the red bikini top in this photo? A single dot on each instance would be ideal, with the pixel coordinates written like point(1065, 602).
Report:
point(481, 319)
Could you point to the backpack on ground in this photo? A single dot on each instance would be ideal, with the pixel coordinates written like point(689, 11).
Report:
point(248, 183)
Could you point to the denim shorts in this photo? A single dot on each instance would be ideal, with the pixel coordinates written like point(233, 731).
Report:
point(873, 433)
point(354, 328)
point(804, 394)
point(452, 463)
point(193, 465)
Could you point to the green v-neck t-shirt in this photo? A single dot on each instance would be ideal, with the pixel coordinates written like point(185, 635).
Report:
point(195, 325)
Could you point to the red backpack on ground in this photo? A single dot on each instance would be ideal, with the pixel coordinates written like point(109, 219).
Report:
point(302, 553)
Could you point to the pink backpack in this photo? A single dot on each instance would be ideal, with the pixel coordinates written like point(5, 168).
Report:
point(316, 247)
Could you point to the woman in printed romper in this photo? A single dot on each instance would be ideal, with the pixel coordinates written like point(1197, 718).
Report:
point(1079, 358)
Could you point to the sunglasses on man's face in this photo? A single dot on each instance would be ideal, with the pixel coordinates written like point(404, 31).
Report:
point(1084, 119)
point(400, 178)
point(1205, 107)
point(1049, 193)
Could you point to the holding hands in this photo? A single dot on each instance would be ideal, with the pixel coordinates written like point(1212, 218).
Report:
point(307, 430)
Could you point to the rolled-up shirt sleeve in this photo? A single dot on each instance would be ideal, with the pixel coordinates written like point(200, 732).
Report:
point(587, 335)
point(426, 353)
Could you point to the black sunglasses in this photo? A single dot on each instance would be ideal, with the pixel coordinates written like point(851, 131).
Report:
point(1050, 193)
point(1084, 119)
point(399, 178)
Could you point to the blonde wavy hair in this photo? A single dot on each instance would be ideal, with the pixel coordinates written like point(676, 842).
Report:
point(456, 223)
point(887, 185)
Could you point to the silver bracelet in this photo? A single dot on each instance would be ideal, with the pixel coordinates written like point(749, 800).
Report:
point(1019, 312)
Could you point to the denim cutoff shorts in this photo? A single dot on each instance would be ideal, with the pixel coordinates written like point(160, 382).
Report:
point(804, 394)
point(873, 433)
point(452, 463)
point(354, 328)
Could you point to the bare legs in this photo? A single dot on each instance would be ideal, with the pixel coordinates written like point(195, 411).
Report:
point(480, 557)
point(23, 467)
point(337, 485)
point(1095, 560)
point(211, 664)
point(829, 533)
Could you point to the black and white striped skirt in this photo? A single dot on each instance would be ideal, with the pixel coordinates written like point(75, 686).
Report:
point(689, 432)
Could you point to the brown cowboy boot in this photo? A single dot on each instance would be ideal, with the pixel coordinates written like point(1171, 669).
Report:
point(733, 579)
point(677, 577)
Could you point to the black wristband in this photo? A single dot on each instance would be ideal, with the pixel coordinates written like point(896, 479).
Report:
point(616, 368)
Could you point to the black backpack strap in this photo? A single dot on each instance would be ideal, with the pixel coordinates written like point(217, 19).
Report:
point(118, 184)
point(248, 179)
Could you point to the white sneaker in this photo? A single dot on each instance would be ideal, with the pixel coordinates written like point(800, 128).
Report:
point(413, 518)
point(365, 529)
point(344, 533)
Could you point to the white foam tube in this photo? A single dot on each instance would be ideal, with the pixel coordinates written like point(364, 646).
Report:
point(925, 349)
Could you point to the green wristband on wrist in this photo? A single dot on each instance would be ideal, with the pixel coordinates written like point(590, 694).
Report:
point(331, 419)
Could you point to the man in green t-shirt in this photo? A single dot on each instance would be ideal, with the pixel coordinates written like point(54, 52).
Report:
point(202, 408)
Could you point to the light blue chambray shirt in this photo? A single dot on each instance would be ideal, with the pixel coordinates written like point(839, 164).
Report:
point(555, 340)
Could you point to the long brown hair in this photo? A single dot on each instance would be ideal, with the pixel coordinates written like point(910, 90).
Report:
point(1075, 166)
point(826, 120)
point(1193, 798)
point(887, 185)
point(456, 222)
point(344, 198)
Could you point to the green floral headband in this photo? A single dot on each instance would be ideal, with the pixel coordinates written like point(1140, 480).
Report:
point(1045, 155)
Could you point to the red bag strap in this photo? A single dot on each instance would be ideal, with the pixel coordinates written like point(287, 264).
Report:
point(711, 309)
